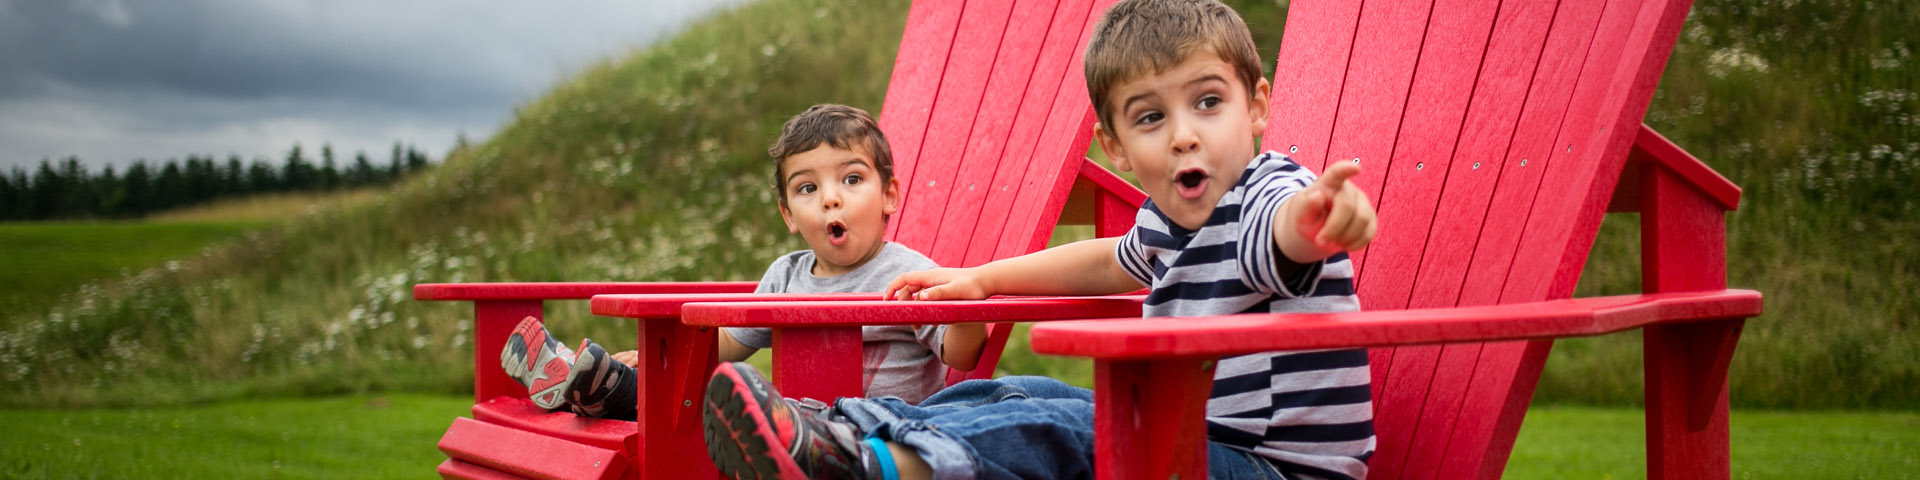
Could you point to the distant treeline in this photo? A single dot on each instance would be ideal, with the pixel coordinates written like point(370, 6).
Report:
point(66, 190)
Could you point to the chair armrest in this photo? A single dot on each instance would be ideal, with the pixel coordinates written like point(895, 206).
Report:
point(817, 345)
point(1236, 334)
point(650, 306)
point(863, 313)
point(566, 290)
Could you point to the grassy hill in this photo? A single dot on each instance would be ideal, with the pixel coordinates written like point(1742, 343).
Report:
point(652, 167)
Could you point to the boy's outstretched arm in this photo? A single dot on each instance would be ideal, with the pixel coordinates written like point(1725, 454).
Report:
point(1328, 217)
point(1085, 267)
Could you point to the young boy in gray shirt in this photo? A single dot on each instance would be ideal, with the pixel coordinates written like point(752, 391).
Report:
point(834, 174)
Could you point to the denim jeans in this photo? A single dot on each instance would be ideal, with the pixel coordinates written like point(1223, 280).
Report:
point(1011, 427)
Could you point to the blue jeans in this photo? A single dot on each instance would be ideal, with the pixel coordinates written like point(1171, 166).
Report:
point(1012, 427)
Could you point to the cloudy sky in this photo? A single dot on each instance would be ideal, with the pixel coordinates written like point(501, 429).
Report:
point(117, 80)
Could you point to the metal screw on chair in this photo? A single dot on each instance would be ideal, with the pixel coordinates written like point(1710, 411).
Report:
point(1293, 149)
point(1356, 160)
point(1420, 166)
point(686, 403)
point(1569, 148)
point(1476, 165)
point(969, 186)
point(930, 183)
point(1523, 162)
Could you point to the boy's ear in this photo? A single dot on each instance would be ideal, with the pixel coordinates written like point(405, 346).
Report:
point(1110, 144)
point(1262, 91)
point(892, 203)
point(786, 216)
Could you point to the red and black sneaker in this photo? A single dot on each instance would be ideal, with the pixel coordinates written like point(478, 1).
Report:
point(536, 360)
point(753, 432)
point(601, 386)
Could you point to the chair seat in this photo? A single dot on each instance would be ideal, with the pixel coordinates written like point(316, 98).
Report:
point(519, 453)
point(455, 469)
point(521, 414)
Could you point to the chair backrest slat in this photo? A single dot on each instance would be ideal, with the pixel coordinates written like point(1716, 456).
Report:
point(928, 187)
point(917, 70)
point(1069, 117)
point(1308, 78)
point(1491, 133)
point(984, 155)
point(989, 125)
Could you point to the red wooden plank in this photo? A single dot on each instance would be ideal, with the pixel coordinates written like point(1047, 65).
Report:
point(526, 454)
point(1306, 86)
point(1492, 391)
point(1007, 94)
point(1144, 418)
point(917, 70)
point(675, 361)
point(520, 414)
point(1683, 231)
point(1657, 149)
point(846, 314)
point(1055, 68)
point(961, 90)
point(1373, 102)
point(822, 363)
point(455, 469)
point(1045, 186)
point(1623, 102)
point(493, 321)
point(1436, 106)
point(1120, 338)
point(566, 290)
point(668, 306)
point(1450, 57)
point(1498, 96)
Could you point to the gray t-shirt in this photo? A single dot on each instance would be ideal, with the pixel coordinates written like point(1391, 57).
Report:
point(900, 361)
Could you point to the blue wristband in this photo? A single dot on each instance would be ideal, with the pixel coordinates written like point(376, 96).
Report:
point(887, 470)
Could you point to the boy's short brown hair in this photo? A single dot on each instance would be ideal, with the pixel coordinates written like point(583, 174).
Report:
point(1136, 38)
point(841, 126)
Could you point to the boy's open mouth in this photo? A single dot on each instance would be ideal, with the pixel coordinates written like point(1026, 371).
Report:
point(1191, 182)
point(836, 233)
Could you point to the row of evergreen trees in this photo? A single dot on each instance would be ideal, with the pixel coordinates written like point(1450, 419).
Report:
point(66, 190)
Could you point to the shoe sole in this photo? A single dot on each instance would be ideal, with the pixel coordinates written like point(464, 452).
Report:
point(547, 390)
point(739, 431)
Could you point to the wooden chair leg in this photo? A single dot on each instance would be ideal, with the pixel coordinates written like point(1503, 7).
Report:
point(1147, 418)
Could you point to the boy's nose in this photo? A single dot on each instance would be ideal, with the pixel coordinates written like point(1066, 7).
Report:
point(830, 198)
point(1186, 140)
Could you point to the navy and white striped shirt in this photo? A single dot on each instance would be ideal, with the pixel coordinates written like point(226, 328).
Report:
point(1310, 413)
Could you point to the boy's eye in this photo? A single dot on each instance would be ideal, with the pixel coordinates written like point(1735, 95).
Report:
point(853, 179)
point(1149, 118)
point(804, 188)
point(1208, 102)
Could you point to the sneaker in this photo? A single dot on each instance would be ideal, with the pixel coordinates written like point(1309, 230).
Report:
point(601, 386)
point(753, 432)
point(539, 362)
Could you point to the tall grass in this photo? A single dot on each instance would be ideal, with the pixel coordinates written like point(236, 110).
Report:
point(1810, 107)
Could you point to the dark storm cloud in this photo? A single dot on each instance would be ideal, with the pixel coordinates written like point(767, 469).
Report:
point(110, 80)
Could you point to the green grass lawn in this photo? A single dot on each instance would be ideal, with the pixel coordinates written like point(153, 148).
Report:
point(342, 437)
point(45, 260)
point(394, 436)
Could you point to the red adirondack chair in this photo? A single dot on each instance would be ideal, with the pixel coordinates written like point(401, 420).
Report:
point(985, 115)
point(1495, 136)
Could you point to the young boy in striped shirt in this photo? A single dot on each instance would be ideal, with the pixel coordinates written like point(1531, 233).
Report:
point(1181, 98)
